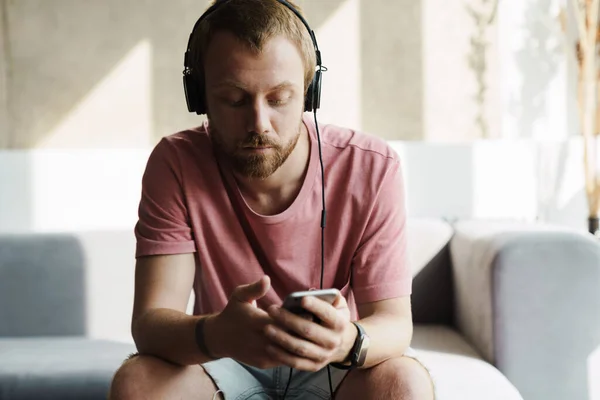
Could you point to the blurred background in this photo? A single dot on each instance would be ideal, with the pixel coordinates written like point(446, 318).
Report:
point(478, 98)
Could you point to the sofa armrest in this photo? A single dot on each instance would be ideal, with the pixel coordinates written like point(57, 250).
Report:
point(527, 296)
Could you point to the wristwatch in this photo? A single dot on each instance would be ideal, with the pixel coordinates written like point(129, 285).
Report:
point(358, 354)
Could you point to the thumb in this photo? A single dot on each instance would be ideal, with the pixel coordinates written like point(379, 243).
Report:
point(252, 291)
point(340, 301)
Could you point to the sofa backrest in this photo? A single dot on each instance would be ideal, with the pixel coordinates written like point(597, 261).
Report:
point(42, 285)
point(70, 284)
point(83, 283)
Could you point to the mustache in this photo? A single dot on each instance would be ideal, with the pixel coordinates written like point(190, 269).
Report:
point(258, 141)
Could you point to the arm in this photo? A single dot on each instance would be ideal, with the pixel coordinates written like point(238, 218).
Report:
point(381, 276)
point(389, 326)
point(165, 273)
point(165, 265)
point(160, 326)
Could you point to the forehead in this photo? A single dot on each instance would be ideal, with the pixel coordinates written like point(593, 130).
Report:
point(229, 59)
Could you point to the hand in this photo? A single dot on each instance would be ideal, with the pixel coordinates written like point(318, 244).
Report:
point(305, 345)
point(238, 331)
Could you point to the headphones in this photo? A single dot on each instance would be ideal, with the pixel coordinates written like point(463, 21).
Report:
point(195, 91)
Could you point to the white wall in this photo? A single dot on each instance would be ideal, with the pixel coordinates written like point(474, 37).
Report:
point(82, 190)
point(70, 190)
point(525, 180)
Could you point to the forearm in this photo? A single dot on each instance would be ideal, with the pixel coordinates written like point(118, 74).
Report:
point(389, 336)
point(170, 335)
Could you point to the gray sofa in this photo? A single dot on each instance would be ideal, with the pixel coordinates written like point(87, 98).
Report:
point(44, 349)
point(498, 308)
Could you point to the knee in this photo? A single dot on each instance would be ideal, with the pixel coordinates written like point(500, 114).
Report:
point(407, 378)
point(132, 377)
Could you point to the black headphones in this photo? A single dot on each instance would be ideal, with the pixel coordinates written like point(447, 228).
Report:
point(195, 93)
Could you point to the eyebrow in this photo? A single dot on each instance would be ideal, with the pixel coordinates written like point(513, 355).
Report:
point(241, 86)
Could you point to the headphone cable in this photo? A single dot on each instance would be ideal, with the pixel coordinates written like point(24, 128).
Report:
point(323, 223)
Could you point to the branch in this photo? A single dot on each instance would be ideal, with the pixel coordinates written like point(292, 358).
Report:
point(580, 20)
point(594, 23)
point(493, 14)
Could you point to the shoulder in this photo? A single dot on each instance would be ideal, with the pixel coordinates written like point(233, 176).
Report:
point(180, 153)
point(348, 145)
point(185, 141)
point(190, 145)
point(358, 164)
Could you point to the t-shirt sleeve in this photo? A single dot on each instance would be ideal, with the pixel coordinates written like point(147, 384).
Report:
point(380, 265)
point(163, 225)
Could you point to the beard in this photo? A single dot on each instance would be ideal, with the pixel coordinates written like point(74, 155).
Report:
point(255, 165)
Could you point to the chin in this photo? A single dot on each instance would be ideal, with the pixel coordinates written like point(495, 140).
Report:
point(257, 169)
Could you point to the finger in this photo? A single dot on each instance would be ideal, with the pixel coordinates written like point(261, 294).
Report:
point(253, 291)
point(340, 301)
point(299, 363)
point(296, 346)
point(322, 310)
point(304, 328)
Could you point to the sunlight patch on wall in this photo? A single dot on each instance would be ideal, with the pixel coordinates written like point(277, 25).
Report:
point(86, 190)
point(117, 113)
point(339, 42)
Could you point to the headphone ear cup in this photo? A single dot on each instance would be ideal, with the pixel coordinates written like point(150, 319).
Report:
point(317, 88)
point(308, 99)
point(313, 95)
point(194, 95)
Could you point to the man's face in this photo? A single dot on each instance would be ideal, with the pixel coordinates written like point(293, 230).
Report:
point(255, 102)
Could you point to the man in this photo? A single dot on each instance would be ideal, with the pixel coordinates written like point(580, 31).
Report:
point(254, 167)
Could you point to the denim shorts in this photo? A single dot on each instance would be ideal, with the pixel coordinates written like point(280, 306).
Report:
point(238, 381)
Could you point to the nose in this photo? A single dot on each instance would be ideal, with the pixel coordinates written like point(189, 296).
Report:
point(259, 119)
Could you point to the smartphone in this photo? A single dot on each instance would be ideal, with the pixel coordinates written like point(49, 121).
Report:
point(293, 301)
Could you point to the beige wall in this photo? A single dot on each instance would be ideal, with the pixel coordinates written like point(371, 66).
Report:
point(88, 73)
point(107, 74)
point(4, 129)
point(392, 63)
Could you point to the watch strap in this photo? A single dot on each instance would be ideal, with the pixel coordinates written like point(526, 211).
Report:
point(354, 352)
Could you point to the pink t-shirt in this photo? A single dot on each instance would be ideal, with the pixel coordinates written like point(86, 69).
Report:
point(185, 208)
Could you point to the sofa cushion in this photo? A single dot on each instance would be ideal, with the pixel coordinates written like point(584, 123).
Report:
point(458, 371)
point(58, 368)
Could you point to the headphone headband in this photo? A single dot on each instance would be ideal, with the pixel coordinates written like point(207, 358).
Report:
point(219, 3)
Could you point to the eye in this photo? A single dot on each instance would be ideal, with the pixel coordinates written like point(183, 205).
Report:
point(234, 101)
point(280, 97)
point(278, 102)
point(237, 103)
